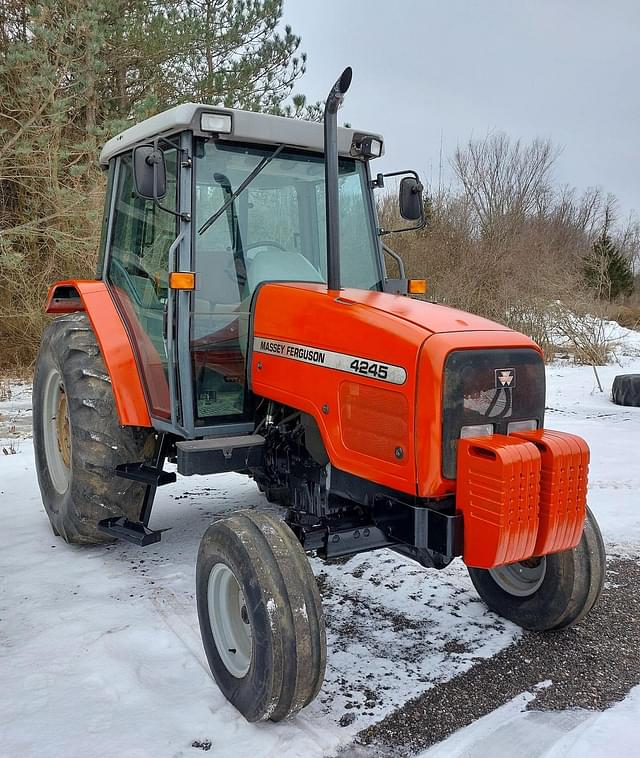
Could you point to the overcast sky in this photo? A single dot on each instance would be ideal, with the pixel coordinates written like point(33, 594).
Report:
point(568, 70)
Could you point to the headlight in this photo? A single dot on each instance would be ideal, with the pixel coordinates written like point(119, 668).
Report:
point(367, 146)
point(374, 148)
point(522, 426)
point(476, 430)
point(216, 122)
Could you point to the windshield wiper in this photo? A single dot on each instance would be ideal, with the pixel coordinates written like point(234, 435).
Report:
point(263, 164)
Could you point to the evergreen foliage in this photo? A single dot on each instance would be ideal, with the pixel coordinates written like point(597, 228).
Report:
point(72, 74)
point(607, 271)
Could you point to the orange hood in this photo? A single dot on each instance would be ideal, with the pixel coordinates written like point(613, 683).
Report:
point(437, 319)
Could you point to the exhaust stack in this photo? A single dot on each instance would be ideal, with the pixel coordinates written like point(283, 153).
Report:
point(334, 100)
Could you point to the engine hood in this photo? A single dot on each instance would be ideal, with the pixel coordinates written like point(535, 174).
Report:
point(432, 317)
point(368, 367)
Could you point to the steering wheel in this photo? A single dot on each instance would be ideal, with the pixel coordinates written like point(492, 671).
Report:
point(265, 243)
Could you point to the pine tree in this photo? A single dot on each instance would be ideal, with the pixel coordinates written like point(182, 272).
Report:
point(74, 73)
point(607, 271)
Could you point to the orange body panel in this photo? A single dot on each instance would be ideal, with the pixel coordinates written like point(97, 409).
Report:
point(498, 494)
point(374, 421)
point(309, 315)
point(563, 489)
point(96, 301)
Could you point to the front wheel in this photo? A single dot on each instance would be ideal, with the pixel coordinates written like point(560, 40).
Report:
point(260, 616)
point(550, 592)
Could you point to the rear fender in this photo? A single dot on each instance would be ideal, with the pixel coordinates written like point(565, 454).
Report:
point(93, 297)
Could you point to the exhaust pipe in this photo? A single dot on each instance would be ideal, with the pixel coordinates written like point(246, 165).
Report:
point(332, 208)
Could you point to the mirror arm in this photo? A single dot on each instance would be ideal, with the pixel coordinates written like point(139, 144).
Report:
point(397, 259)
point(421, 225)
point(182, 216)
point(186, 161)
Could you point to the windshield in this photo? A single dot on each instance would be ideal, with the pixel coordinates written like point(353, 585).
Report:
point(272, 229)
point(275, 228)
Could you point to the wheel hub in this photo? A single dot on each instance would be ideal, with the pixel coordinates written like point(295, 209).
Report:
point(521, 579)
point(229, 619)
point(62, 427)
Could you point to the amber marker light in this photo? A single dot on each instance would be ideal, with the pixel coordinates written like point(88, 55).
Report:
point(417, 286)
point(182, 280)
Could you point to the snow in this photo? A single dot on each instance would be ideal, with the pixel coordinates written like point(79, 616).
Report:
point(100, 650)
point(512, 730)
point(576, 405)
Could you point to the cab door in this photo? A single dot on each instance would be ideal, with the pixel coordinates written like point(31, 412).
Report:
point(141, 237)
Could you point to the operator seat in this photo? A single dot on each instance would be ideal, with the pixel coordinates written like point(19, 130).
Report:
point(273, 266)
point(277, 266)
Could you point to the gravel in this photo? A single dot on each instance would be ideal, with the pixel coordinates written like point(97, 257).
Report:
point(591, 665)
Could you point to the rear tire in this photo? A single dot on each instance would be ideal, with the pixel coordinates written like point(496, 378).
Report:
point(260, 616)
point(553, 592)
point(626, 390)
point(77, 436)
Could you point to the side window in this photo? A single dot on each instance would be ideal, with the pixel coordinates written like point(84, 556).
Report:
point(105, 221)
point(141, 235)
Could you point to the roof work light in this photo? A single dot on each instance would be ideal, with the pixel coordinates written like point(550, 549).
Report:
point(216, 122)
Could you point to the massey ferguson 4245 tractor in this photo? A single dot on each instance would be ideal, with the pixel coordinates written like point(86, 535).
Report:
point(242, 320)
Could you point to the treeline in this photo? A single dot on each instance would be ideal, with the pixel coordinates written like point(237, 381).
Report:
point(72, 74)
point(504, 241)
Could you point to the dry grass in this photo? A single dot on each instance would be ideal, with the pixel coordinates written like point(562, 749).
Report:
point(626, 315)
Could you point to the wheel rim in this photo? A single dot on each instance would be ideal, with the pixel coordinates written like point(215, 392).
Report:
point(521, 579)
point(229, 620)
point(57, 432)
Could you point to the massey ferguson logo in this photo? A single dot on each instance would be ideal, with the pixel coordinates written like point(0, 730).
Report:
point(505, 377)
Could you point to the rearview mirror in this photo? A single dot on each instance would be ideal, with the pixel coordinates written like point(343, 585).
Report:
point(149, 172)
point(410, 199)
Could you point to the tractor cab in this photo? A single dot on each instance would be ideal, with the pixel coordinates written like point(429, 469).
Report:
point(204, 206)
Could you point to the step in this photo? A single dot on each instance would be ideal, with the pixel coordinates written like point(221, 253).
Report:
point(131, 531)
point(216, 455)
point(145, 474)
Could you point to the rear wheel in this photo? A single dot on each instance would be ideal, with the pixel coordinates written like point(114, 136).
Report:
point(78, 440)
point(550, 592)
point(260, 616)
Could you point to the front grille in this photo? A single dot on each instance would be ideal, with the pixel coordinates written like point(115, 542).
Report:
point(489, 386)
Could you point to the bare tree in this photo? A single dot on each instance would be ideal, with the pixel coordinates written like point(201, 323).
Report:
point(504, 181)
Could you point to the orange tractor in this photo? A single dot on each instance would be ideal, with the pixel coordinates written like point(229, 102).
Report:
point(242, 320)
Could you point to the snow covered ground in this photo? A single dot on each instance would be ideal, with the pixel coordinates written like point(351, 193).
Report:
point(514, 731)
point(100, 652)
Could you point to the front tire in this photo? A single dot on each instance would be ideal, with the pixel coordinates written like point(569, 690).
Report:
point(260, 616)
point(548, 593)
point(77, 436)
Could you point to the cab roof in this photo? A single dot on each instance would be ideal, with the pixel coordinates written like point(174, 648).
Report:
point(246, 126)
